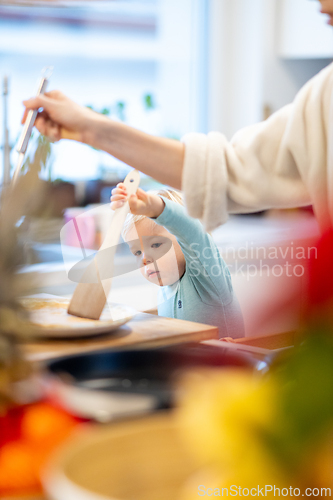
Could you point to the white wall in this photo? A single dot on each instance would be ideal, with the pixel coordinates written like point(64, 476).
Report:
point(235, 55)
point(245, 72)
point(181, 41)
point(282, 77)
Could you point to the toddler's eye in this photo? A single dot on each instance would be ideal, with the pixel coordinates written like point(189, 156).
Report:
point(156, 245)
point(138, 253)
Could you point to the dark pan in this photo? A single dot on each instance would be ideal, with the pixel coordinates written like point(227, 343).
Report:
point(145, 375)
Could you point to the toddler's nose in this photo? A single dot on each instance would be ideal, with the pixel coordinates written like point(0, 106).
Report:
point(146, 259)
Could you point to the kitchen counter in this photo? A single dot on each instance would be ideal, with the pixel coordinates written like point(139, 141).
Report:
point(144, 330)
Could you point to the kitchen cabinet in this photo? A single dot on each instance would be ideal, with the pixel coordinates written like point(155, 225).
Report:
point(303, 32)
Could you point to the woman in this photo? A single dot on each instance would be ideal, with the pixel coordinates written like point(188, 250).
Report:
point(286, 161)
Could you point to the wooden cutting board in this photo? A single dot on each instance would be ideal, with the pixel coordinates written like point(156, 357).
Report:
point(144, 330)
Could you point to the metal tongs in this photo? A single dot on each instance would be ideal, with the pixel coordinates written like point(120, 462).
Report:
point(29, 123)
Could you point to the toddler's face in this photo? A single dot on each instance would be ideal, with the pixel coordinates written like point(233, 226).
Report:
point(158, 252)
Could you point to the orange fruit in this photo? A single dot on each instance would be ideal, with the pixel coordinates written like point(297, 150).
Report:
point(46, 425)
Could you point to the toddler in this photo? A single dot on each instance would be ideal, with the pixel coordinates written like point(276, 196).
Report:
point(195, 282)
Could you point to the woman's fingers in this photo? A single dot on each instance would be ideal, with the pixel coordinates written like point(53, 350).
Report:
point(41, 101)
point(44, 124)
point(55, 94)
point(47, 101)
point(40, 124)
point(63, 118)
point(54, 133)
point(47, 127)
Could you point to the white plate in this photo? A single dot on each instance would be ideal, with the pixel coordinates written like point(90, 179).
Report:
point(50, 319)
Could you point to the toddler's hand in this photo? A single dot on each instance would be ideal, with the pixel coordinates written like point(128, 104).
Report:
point(141, 203)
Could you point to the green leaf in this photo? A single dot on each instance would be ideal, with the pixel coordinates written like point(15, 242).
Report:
point(149, 102)
point(105, 111)
point(304, 419)
point(120, 110)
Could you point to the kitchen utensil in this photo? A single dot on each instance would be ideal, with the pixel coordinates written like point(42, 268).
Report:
point(29, 123)
point(109, 384)
point(51, 320)
point(6, 146)
point(90, 295)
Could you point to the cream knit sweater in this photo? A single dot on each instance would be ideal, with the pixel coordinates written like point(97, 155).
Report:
point(285, 161)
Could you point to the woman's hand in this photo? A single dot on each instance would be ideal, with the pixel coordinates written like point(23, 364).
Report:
point(61, 117)
point(141, 203)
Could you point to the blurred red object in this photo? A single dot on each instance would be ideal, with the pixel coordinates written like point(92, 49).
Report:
point(320, 291)
point(28, 435)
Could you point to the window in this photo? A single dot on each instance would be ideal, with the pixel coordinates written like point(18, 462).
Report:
point(141, 61)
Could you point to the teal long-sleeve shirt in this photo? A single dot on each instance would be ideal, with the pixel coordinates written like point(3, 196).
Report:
point(204, 293)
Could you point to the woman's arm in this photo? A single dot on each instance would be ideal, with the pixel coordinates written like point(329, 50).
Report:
point(286, 161)
point(62, 118)
point(283, 162)
point(158, 157)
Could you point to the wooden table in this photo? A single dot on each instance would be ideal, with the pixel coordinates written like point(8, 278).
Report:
point(145, 330)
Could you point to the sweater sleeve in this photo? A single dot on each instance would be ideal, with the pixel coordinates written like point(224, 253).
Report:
point(188, 231)
point(204, 263)
point(285, 161)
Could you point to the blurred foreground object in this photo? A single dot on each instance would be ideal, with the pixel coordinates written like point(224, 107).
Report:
point(143, 459)
point(115, 383)
point(272, 431)
point(28, 436)
point(146, 458)
point(278, 430)
point(233, 431)
point(27, 432)
point(15, 203)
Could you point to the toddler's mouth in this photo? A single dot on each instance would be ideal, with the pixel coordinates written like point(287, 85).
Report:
point(152, 273)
